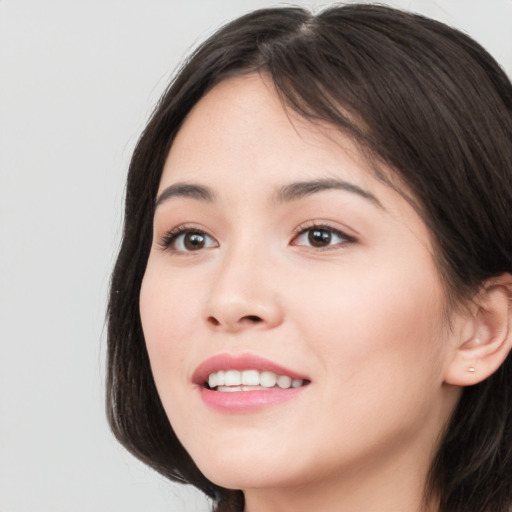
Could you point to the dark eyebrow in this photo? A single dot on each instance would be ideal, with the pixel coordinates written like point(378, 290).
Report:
point(185, 190)
point(302, 189)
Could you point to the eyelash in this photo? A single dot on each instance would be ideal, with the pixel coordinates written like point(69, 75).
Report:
point(303, 229)
point(170, 238)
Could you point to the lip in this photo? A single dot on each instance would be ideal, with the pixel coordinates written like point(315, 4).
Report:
point(240, 362)
point(247, 401)
point(244, 401)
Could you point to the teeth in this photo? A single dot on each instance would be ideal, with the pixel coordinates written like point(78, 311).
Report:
point(268, 379)
point(212, 380)
point(296, 383)
point(250, 380)
point(251, 377)
point(284, 382)
point(232, 378)
point(229, 389)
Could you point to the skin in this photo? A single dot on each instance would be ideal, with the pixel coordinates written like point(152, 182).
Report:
point(364, 317)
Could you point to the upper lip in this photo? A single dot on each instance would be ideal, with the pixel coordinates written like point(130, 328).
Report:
point(240, 362)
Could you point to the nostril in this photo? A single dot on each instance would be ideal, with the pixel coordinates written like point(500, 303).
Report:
point(213, 321)
point(239, 321)
point(252, 318)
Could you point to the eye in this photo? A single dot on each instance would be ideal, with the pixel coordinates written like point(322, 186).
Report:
point(321, 237)
point(185, 240)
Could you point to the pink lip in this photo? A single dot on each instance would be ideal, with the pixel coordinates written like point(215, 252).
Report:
point(243, 401)
point(247, 401)
point(240, 362)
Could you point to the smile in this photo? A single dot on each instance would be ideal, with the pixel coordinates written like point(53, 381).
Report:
point(250, 380)
point(244, 383)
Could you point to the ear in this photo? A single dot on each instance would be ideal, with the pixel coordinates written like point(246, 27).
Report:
point(486, 337)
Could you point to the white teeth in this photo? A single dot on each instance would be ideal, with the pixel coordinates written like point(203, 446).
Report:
point(250, 380)
point(284, 382)
point(212, 380)
point(229, 389)
point(251, 377)
point(232, 378)
point(268, 379)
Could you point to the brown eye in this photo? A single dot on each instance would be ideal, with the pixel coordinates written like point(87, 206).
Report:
point(319, 237)
point(322, 237)
point(188, 240)
point(194, 241)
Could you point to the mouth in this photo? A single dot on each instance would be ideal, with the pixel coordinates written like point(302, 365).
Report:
point(226, 381)
point(243, 382)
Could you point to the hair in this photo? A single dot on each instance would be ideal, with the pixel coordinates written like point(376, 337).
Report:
point(420, 97)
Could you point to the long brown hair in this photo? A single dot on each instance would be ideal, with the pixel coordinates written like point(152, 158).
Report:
point(421, 97)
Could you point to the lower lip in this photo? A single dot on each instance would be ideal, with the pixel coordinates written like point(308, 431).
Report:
point(247, 401)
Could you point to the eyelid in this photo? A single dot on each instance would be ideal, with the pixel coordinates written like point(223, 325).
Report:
point(325, 225)
point(166, 240)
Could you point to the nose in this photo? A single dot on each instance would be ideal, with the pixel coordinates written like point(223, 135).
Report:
point(244, 294)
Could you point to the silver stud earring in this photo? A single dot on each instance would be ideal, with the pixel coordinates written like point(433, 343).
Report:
point(471, 369)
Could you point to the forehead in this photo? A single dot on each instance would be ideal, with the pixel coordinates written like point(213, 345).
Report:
point(242, 125)
point(240, 136)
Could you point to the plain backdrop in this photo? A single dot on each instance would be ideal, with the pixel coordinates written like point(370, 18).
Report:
point(78, 79)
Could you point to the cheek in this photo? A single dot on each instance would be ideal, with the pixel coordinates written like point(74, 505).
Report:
point(169, 317)
point(381, 322)
point(376, 339)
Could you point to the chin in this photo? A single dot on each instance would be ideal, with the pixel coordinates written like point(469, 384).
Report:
point(247, 475)
point(255, 465)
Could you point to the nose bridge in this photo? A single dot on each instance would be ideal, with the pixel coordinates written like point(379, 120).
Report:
point(243, 293)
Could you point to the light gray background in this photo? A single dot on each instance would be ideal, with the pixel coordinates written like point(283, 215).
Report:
point(77, 82)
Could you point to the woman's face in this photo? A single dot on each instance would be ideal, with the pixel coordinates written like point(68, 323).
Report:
point(276, 253)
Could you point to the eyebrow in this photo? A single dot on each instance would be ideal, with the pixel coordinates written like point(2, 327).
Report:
point(185, 190)
point(295, 191)
point(290, 192)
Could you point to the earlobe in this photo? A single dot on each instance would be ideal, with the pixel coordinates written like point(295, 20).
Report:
point(484, 346)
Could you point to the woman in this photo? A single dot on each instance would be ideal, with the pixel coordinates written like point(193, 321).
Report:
point(312, 302)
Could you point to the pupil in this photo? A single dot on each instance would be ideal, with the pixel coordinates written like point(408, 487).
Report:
point(319, 237)
point(194, 241)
